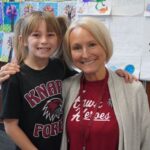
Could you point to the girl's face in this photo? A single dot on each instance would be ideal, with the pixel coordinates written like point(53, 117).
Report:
point(41, 43)
point(87, 54)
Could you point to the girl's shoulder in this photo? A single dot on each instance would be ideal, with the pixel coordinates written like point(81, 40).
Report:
point(56, 62)
point(68, 71)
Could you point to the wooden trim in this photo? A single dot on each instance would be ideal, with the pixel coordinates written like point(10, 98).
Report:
point(148, 91)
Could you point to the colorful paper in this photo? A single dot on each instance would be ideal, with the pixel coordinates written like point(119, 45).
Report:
point(6, 47)
point(51, 7)
point(27, 7)
point(68, 8)
point(11, 14)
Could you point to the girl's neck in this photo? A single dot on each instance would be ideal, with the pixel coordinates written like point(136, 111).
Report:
point(36, 64)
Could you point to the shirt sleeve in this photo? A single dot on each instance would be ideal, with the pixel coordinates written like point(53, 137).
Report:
point(145, 111)
point(69, 71)
point(11, 99)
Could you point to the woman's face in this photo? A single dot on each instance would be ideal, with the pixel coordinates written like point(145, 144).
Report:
point(87, 54)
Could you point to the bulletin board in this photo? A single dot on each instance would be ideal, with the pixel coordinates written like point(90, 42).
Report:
point(128, 22)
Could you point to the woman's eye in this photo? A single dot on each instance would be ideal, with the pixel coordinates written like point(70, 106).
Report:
point(51, 34)
point(92, 45)
point(76, 48)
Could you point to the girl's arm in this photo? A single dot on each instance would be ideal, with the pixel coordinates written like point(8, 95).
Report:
point(127, 76)
point(17, 135)
point(12, 68)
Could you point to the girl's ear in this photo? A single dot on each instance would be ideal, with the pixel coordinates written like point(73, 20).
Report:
point(22, 41)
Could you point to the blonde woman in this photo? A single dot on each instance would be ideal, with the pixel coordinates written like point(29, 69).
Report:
point(102, 112)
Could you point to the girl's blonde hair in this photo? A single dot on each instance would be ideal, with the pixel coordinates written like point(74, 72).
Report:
point(97, 29)
point(16, 37)
point(63, 23)
point(28, 25)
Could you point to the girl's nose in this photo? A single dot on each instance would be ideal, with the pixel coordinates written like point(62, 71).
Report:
point(44, 39)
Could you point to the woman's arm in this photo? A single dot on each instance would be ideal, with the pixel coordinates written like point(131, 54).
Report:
point(7, 70)
point(144, 111)
point(17, 135)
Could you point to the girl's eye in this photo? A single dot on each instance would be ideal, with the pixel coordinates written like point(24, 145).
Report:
point(51, 34)
point(35, 34)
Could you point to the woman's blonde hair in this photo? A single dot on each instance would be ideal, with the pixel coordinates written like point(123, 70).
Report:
point(29, 24)
point(97, 29)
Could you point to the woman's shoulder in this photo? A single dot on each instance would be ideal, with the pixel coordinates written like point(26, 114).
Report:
point(117, 80)
point(73, 78)
point(72, 81)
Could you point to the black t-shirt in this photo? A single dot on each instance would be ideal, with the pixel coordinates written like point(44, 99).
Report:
point(35, 98)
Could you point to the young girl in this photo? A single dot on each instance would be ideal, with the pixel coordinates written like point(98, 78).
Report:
point(32, 98)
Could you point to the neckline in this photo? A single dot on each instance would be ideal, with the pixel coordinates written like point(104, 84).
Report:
point(101, 94)
point(28, 68)
point(83, 80)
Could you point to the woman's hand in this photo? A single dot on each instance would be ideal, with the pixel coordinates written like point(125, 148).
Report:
point(127, 77)
point(7, 70)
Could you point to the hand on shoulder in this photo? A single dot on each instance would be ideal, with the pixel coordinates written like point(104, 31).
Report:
point(129, 78)
point(7, 70)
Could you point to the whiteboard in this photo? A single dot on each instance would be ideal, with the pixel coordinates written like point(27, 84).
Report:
point(131, 38)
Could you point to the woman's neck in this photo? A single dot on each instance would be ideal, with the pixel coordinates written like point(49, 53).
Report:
point(96, 76)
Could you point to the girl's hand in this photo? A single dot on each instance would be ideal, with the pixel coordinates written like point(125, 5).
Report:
point(7, 70)
point(127, 77)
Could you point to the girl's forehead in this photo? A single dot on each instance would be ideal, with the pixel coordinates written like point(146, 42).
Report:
point(37, 26)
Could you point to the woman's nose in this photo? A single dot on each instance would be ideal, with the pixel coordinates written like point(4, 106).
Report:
point(84, 52)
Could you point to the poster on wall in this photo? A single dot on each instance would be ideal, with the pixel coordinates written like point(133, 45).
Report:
point(145, 65)
point(93, 7)
point(13, 0)
point(1, 17)
point(7, 49)
point(51, 7)
point(147, 8)
point(127, 7)
point(11, 15)
point(128, 41)
point(1, 42)
point(27, 7)
point(67, 8)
